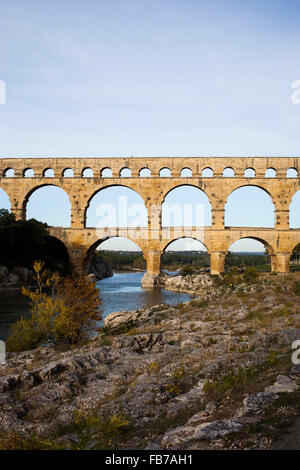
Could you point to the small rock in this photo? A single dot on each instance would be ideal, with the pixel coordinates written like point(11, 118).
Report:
point(197, 418)
point(210, 407)
point(282, 384)
point(190, 344)
point(177, 436)
point(255, 403)
point(210, 431)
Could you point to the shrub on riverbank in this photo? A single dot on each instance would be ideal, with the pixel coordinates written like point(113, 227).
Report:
point(62, 310)
point(233, 278)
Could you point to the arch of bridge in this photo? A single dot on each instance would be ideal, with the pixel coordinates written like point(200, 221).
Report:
point(154, 189)
point(164, 245)
point(267, 240)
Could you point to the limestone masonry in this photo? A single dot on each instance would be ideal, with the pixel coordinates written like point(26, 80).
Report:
point(82, 241)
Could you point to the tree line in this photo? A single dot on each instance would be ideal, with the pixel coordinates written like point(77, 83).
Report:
point(173, 260)
point(24, 241)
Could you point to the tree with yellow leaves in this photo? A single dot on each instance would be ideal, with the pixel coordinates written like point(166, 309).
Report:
point(62, 310)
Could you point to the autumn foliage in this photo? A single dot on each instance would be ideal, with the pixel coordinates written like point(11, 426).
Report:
point(62, 310)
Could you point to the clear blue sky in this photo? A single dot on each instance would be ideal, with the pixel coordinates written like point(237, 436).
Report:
point(149, 77)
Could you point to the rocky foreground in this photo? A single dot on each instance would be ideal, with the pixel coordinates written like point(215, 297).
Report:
point(214, 373)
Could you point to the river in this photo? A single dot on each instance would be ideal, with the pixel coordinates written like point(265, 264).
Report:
point(122, 291)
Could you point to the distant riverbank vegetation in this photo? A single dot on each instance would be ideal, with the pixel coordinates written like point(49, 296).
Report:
point(186, 260)
point(24, 241)
point(123, 260)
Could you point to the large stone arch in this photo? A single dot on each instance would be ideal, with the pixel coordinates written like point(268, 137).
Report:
point(37, 188)
point(267, 244)
point(186, 185)
point(92, 248)
point(293, 243)
point(180, 184)
point(62, 241)
point(4, 196)
point(294, 210)
point(108, 186)
point(241, 187)
point(199, 246)
point(61, 250)
point(167, 243)
point(234, 187)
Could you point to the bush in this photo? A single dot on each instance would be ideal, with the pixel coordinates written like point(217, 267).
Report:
point(21, 441)
point(234, 379)
point(255, 315)
point(250, 275)
point(153, 367)
point(96, 433)
point(66, 312)
point(187, 269)
point(296, 288)
point(24, 335)
point(178, 372)
point(88, 430)
point(139, 263)
point(173, 389)
point(228, 279)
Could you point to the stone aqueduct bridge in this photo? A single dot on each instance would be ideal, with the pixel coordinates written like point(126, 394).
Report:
point(81, 241)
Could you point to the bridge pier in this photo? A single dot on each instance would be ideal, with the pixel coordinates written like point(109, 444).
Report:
point(273, 263)
point(18, 213)
point(217, 262)
point(17, 209)
point(282, 264)
point(151, 277)
point(77, 255)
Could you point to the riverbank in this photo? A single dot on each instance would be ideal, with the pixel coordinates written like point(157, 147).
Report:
point(16, 277)
point(119, 292)
point(13, 279)
point(212, 373)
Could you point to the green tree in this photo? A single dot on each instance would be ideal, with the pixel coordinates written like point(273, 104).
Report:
point(24, 241)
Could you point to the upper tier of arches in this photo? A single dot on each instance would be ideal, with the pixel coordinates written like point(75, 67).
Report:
point(80, 199)
point(257, 167)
